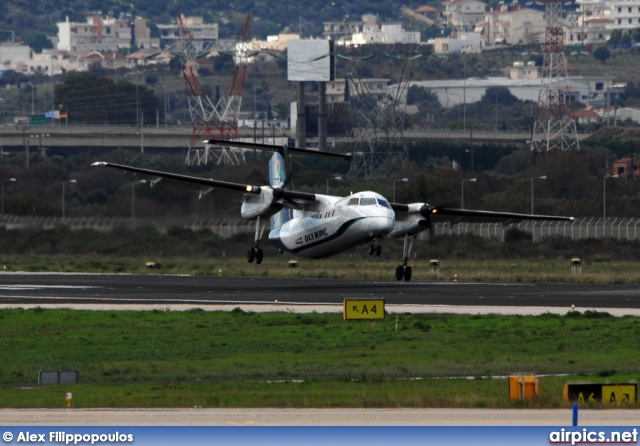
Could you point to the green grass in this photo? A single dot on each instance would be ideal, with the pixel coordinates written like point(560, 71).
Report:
point(243, 359)
point(275, 265)
point(439, 393)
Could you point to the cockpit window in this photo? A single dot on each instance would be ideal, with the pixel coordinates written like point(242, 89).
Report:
point(367, 201)
point(384, 203)
point(353, 202)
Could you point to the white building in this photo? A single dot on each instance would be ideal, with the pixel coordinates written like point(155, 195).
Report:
point(368, 31)
point(204, 34)
point(624, 13)
point(458, 92)
point(96, 34)
point(463, 43)
point(277, 43)
point(9, 53)
point(595, 20)
point(512, 25)
point(463, 15)
point(589, 31)
point(376, 88)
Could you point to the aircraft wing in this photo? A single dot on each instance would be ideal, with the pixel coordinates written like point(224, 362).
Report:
point(206, 185)
point(452, 215)
point(417, 217)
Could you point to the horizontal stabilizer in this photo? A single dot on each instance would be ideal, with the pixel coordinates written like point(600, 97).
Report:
point(273, 148)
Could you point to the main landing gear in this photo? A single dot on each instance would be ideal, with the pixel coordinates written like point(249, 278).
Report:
point(256, 252)
point(375, 248)
point(404, 270)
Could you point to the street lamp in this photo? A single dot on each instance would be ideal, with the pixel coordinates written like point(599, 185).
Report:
point(604, 201)
point(543, 177)
point(332, 178)
point(63, 183)
point(133, 197)
point(464, 95)
point(402, 180)
point(10, 180)
point(471, 180)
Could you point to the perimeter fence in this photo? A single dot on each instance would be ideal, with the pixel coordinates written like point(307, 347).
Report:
point(581, 228)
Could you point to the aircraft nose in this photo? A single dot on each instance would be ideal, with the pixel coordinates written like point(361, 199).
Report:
point(380, 225)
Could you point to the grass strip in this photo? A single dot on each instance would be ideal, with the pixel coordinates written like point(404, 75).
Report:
point(244, 359)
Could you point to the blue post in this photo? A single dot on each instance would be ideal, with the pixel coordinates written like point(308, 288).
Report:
point(575, 414)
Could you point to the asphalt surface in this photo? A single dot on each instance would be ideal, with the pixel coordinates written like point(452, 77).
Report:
point(263, 294)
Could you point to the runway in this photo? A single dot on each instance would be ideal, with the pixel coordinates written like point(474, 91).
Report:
point(127, 291)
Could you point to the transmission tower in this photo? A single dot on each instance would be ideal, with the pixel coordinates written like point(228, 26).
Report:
point(213, 119)
point(554, 129)
point(378, 110)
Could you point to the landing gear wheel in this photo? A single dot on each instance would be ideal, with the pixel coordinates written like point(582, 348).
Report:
point(407, 273)
point(259, 255)
point(372, 249)
point(378, 250)
point(251, 254)
point(399, 272)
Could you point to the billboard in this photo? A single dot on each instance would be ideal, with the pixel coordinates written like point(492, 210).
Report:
point(310, 60)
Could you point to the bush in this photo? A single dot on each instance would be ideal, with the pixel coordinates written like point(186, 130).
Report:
point(514, 235)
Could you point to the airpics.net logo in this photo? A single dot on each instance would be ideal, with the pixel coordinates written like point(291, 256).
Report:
point(587, 436)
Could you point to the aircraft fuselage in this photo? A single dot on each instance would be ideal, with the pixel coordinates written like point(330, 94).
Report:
point(351, 221)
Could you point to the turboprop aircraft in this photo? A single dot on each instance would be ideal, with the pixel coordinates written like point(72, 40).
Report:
point(317, 225)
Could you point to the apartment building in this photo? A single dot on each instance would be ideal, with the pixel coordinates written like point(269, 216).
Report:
point(376, 88)
point(463, 15)
point(105, 34)
point(625, 14)
point(203, 34)
point(512, 25)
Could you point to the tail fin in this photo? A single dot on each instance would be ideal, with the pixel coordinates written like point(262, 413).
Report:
point(277, 178)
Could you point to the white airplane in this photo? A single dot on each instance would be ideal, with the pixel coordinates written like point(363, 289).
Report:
point(315, 225)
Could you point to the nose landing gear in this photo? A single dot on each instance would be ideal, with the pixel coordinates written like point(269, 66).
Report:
point(375, 248)
point(403, 271)
point(256, 252)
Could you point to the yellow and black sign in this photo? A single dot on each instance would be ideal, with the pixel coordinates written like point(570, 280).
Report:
point(363, 309)
point(613, 394)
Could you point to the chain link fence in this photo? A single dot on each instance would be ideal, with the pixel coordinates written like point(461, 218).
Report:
point(581, 228)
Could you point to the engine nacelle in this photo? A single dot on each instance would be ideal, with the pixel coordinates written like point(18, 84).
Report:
point(414, 221)
point(263, 204)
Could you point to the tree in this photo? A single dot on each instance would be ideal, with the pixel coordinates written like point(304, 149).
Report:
point(91, 99)
point(37, 41)
point(616, 37)
point(602, 54)
point(501, 95)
